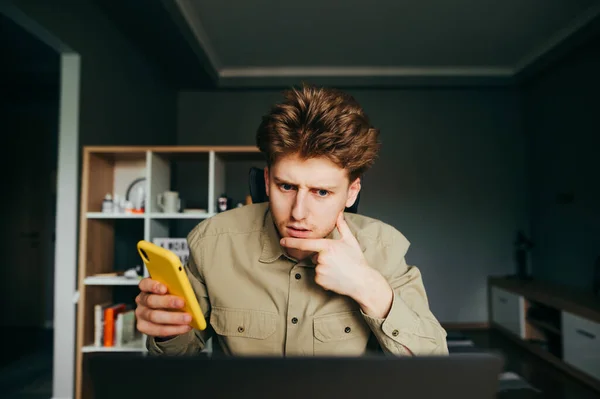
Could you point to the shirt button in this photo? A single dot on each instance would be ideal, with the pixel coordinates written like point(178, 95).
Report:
point(240, 329)
point(298, 276)
point(295, 320)
point(347, 330)
point(395, 333)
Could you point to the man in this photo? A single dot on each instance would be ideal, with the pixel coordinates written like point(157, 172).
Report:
point(298, 275)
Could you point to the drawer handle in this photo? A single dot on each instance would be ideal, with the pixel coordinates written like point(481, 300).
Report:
point(585, 334)
point(503, 300)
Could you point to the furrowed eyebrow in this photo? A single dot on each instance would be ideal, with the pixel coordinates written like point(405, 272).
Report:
point(279, 180)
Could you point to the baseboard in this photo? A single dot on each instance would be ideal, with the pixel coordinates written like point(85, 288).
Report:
point(483, 325)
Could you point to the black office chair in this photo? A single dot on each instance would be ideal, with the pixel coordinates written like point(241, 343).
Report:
point(259, 194)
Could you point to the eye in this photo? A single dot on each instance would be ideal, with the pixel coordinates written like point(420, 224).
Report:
point(286, 187)
point(322, 193)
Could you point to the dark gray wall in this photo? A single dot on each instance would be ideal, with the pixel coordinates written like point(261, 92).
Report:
point(29, 94)
point(123, 99)
point(451, 177)
point(562, 120)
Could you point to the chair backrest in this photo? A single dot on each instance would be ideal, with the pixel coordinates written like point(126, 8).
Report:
point(259, 194)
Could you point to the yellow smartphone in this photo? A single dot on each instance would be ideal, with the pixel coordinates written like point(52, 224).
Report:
point(164, 266)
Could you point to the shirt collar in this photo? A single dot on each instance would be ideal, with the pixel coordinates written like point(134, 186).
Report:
point(269, 238)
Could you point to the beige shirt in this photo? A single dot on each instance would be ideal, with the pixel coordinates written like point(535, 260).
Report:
point(257, 301)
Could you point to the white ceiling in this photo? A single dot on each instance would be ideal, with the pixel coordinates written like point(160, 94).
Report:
point(264, 42)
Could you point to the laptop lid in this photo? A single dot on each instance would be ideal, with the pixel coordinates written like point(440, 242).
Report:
point(465, 376)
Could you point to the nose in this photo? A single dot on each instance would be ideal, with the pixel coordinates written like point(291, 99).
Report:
point(299, 209)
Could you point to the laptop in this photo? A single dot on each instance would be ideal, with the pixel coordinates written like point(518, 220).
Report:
point(122, 375)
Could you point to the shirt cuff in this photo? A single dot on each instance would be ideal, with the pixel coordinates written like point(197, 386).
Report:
point(175, 346)
point(400, 325)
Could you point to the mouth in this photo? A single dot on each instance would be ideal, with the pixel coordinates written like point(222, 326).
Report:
point(297, 232)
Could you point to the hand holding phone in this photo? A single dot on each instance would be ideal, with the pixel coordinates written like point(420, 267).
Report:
point(167, 305)
point(155, 311)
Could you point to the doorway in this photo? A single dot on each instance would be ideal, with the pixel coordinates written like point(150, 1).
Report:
point(29, 122)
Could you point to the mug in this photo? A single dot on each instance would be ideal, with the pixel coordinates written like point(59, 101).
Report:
point(169, 201)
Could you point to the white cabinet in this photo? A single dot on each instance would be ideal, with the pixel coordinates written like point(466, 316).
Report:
point(548, 320)
point(508, 311)
point(581, 343)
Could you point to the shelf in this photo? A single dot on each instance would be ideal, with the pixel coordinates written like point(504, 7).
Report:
point(133, 346)
point(100, 215)
point(556, 296)
point(107, 240)
point(160, 215)
point(544, 325)
point(110, 280)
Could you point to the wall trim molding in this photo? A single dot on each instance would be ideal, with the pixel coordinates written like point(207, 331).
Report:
point(367, 71)
point(65, 254)
point(371, 76)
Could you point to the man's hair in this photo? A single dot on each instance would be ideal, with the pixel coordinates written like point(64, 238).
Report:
point(319, 122)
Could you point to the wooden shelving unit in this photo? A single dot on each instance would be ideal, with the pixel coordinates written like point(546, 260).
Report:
point(111, 170)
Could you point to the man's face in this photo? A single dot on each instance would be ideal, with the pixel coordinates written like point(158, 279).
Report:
point(306, 196)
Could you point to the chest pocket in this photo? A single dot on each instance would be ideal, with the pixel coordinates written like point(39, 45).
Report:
point(245, 331)
point(341, 334)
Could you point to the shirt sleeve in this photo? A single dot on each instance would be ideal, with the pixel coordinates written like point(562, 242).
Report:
point(410, 328)
point(195, 340)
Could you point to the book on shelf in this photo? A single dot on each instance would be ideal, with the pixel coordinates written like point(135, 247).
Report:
point(114, 324)
point(125, 330)
point(99, 323)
